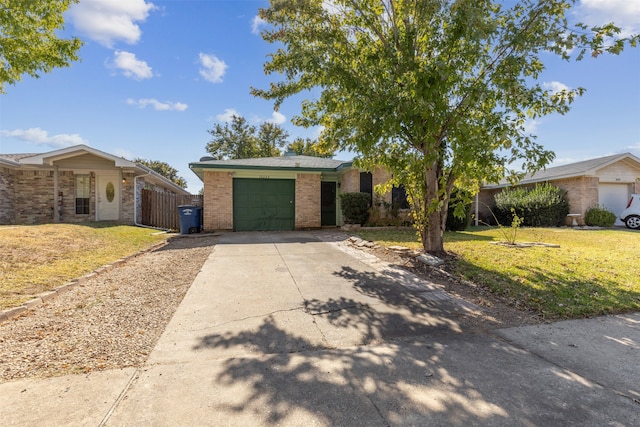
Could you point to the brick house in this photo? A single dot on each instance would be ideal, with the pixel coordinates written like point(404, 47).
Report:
point(608, 181)
point(73, 185)
point(279, 193)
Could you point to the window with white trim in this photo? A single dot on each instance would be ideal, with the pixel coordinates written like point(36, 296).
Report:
point(83, 193)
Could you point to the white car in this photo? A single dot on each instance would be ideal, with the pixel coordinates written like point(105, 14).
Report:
point(631, 215)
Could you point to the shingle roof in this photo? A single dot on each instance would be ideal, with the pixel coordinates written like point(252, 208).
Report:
point(284, 162)
point(585, 167)
point(17, 156)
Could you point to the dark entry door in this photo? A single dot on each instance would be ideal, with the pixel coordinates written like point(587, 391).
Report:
point(328, 203)
point(263, 204)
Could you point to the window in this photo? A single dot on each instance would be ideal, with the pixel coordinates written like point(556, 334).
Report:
point(83, 191)
point(399, 197)
point(366, 184)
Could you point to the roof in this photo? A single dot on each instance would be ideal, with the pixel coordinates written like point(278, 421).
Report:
point(304, 163)
point(48, 158)
point(571, 170)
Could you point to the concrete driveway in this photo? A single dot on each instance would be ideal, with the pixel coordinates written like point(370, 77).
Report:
point(301, 329)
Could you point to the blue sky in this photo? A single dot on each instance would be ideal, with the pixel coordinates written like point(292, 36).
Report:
point(154, 76)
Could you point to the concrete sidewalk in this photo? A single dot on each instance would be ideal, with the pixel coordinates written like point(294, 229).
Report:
point(296, 329)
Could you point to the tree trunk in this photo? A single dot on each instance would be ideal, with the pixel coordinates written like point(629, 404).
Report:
point(432, 233)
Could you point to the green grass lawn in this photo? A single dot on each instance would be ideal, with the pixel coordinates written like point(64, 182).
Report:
point(38, 258)
point(593, 272)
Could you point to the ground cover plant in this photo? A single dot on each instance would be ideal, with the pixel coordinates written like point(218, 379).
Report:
point(593, 272)
point(38, 258)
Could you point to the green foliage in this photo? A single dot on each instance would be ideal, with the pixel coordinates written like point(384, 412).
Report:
point(511, 233)
point(163, 169)
point(28, 40)
point(308, 147)
point(541, 206)
point(239, 140)
point(599, 216)
point(385, 214)
point(459, 211)
point(355, 207)
point(436, 91)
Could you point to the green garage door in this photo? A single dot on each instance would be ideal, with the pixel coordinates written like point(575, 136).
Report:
point(263, 204)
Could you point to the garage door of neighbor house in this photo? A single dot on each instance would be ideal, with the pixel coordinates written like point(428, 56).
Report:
point(614, 197)
point(263, 204)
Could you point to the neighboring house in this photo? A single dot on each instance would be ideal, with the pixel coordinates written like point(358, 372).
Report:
point(279, 193)
point(74, 184)
point(606, 181)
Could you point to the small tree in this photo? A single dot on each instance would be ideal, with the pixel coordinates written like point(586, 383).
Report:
point(28, 40)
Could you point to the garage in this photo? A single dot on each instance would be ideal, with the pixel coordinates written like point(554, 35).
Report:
point(614, 197)
point(263, 204)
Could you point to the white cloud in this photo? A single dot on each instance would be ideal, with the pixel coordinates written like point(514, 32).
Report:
point(108, 21)
point(212, 68)
point(228, 114)
point(554, 86)
point(256, 24)
point(157, 105)
point(38, 136)
point(277, 118)
point(131, 66)
point(635, 147)
point(531, 126)
point(624, 13)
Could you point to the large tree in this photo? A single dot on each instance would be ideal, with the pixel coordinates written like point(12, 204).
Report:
point(163, 169)
point(28, 40)
point(240, 140)
point(438, 91)
point(309, 147)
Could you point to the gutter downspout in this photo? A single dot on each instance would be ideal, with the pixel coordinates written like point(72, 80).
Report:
point(135, 205)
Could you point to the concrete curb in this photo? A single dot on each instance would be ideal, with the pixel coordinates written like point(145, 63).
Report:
point(46, 296)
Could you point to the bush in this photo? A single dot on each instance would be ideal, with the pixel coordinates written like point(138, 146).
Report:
point(355, 207)
point(541, 206)
point(455, 223)
point(599, 216)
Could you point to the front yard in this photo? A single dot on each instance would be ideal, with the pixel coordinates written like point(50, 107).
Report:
point(39, 258)
point(593, 272)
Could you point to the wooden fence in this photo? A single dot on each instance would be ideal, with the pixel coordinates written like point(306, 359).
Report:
point(161, 209)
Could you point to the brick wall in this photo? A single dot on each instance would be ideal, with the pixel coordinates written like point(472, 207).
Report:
point(308, 201)
point(350, 182)
point(218, 201)
point(34, 199)
point(7, 210)
point(582, 193)
point(127, 208)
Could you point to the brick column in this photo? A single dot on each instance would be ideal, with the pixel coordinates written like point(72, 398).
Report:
point(308, 201)
point(218, 201)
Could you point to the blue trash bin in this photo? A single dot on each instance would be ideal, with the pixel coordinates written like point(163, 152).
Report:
point(189, 218)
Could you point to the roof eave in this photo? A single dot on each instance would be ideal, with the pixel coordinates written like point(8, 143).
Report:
point(222, 167)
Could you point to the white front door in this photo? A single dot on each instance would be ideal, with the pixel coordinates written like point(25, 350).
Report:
point(108, 193)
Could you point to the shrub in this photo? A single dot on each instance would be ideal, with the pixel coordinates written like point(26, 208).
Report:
point(355, 207)
point(541, 206)
point(599, 216)
point(458, 223)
